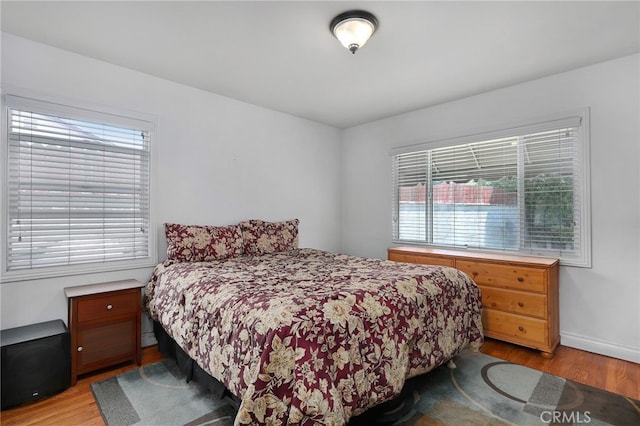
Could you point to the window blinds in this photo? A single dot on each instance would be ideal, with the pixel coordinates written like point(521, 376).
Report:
point(520, 192)
point(78, 186)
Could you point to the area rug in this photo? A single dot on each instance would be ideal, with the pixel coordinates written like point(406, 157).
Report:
point(480, 390)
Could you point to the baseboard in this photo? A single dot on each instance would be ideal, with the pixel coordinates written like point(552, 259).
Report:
point(601, 347)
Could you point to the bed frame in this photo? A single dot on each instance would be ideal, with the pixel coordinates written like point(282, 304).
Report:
point(168, 347)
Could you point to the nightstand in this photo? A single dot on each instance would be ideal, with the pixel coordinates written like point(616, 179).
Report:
point(105, 325)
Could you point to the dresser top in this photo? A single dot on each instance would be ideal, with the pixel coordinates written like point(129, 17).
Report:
point(83, 290)
point(497, 257)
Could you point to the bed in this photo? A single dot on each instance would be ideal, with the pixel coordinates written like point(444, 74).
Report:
point(304, 336)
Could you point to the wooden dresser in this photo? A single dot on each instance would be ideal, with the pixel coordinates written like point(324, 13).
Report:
point(105, 325)
point(519, 293)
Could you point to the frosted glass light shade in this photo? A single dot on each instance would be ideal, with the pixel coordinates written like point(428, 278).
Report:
point(353, 29)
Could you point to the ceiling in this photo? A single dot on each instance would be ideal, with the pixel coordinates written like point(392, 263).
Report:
point(281, 55)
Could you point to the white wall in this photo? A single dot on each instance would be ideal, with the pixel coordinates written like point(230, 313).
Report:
point(600, 306)
point(214, 161)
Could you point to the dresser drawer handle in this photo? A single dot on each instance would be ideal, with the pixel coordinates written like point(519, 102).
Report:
point(520, 279)
point(109, 307)
point(80, 348)
point(521, 329)
point(521, 305)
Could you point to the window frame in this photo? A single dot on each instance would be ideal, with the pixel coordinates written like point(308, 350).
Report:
point(583, 259)
point(76, 110)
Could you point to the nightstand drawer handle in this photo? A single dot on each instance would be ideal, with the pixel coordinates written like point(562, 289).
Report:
point(109, 307)
point(80, 348)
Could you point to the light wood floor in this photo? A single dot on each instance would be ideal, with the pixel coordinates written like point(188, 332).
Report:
point(76, 405)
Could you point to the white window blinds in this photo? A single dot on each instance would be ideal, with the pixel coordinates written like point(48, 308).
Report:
point(77, 188)
point(521, 193)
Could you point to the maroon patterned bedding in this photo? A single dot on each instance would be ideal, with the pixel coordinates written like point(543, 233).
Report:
point(311, 337)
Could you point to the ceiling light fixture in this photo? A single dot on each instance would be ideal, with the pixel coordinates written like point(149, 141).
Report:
point(353, 28)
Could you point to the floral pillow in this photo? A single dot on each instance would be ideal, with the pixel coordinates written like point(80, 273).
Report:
point(195, 243)
point(269, 237)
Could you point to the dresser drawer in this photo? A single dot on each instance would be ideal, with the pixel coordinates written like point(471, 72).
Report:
point(422, 260)
point(517, 328)
point(517, 302)
point(109, 305)
point(505, 276)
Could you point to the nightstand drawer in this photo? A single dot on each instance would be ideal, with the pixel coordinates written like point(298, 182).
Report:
point(109, 305)
point(505, 276)
point(108, 341)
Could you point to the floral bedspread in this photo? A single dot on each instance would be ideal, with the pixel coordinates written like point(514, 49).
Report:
point(312, 337)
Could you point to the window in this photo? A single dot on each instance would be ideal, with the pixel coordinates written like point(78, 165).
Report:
point(77, 190)
point(522, 190)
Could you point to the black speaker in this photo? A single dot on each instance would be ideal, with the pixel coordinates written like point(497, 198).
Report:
point(36, 362)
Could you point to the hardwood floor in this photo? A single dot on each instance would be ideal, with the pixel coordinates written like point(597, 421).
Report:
point(76, 405)
point(611, 374)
